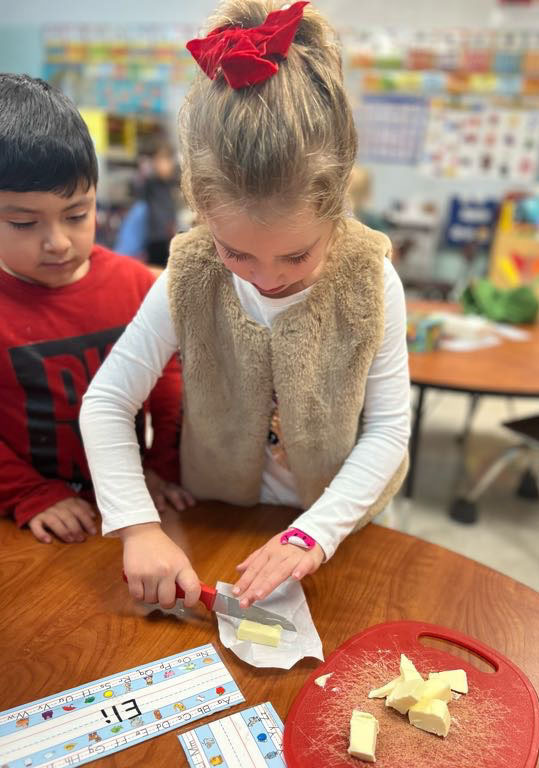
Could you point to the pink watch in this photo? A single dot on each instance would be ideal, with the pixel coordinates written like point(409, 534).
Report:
point(299, 538)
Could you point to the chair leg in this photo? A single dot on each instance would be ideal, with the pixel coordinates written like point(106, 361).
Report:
point(463, 509)
point(473, 402)
point(527, 487)
point(494, 470)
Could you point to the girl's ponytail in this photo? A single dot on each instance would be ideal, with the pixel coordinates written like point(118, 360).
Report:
point(288, 140)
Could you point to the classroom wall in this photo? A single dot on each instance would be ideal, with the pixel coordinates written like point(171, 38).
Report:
point(20, 47)
point(475, 13)
point(20, 37)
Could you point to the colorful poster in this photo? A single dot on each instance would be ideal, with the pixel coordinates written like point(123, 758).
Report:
point(482, 142)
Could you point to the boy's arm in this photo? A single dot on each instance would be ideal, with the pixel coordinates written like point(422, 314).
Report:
point(23, 491)
point(164, 403)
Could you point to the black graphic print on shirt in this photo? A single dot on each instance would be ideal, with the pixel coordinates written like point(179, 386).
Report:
point(55, 375)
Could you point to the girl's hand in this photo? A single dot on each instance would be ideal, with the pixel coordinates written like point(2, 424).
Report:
point(272, 564)
point(69, 520)
point(154, 564)
point(163, 492)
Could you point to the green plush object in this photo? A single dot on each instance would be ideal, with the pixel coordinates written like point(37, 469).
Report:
point(518, 305)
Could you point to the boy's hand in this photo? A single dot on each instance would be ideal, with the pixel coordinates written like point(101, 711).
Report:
point(163, 492)
point(154, 564)
point(272, 564)
point(69, 520)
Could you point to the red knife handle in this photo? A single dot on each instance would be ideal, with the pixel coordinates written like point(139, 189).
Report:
point(207, 593)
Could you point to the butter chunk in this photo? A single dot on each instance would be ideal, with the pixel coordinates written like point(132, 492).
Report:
point(436, 688)
point(431, 715)
point(322, 680)
point(457, 679)
point(407, 669)
point(363, 733)
point(262, 634)
point(405, 694)
point(385, 690)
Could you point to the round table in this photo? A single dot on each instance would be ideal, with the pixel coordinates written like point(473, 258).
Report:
point(510, 369)
point(67, 619)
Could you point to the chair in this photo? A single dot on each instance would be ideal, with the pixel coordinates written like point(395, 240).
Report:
point(464, 508)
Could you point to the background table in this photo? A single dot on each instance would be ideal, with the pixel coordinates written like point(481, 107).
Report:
point(510, 369)
point(67, 619)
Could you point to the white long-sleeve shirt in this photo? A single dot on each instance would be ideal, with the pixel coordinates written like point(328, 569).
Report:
point(135, 363)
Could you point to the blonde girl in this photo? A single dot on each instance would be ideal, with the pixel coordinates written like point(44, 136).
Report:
point(287, 315)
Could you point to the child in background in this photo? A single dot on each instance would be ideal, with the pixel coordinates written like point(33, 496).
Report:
point(158, 193)
point(151, 222)
point(64, 302)
point(289, 317)
point(359, 190)
point(360, 197)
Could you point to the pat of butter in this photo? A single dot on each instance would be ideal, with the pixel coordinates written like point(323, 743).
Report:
point(408, 671)
point(457, 679)
point(259, 633)
point(431, 715)
point(405, 695)
point(436, 688)
point(385, 690)
point(363, 733)
point(322, 680)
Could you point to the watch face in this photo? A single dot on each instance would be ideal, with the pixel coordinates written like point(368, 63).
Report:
point(298, 538)
point(298, 541)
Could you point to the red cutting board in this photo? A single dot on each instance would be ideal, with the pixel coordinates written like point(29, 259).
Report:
point(496, 725)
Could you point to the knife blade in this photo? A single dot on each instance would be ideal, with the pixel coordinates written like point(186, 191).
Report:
point(229, 606)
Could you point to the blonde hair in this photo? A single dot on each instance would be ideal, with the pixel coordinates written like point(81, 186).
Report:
point(289, 140)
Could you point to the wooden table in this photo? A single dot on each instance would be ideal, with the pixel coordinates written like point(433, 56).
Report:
point(66, 617)
point(510, 369)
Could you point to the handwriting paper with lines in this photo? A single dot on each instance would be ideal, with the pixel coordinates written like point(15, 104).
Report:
point(95, 720)
point(252, 738)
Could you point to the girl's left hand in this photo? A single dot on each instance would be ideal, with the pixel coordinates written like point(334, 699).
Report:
point(272, 564)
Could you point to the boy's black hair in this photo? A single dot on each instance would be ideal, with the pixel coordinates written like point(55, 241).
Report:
point(44, 142)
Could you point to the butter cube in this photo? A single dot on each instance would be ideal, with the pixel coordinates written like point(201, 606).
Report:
point(385, 690)
point(363, 733)
point(436, 688)
point(262, 634)
point(408, 671)
point(405, 695)
point(431, 715)
point(457, 679)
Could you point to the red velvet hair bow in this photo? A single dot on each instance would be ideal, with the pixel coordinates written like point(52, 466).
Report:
point(248, 56)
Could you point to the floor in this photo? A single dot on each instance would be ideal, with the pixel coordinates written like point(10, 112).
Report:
point(506, 536)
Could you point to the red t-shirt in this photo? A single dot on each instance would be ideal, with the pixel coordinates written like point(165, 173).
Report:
point(52, 341)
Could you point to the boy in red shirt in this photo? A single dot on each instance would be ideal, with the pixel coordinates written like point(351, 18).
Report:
point(63, 303)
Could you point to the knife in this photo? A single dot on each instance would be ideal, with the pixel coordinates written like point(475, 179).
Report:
point(229, 606)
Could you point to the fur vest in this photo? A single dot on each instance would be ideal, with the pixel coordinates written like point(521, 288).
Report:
point(316, 358)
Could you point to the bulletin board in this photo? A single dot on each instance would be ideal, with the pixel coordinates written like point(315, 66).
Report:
point(465, 102)
point(124, 71)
